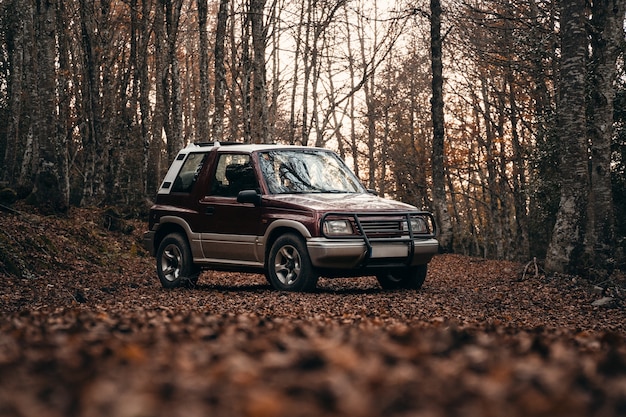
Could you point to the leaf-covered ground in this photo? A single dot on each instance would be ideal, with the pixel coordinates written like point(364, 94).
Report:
point(86, 330)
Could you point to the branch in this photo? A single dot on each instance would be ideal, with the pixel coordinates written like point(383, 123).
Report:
point(9, 210)
point(533, 262)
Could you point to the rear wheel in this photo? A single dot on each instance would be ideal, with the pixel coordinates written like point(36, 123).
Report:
point(175, 266)
point(411, 277)
point(289, 266)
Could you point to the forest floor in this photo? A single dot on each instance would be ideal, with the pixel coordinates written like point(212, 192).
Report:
point(87, 330)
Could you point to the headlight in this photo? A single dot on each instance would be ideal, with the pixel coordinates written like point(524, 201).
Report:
point(418, 225)
point(337, 227)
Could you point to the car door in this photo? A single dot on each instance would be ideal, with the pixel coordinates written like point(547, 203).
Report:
point(230, 230)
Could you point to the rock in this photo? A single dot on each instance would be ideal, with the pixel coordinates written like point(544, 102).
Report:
point(602, 301)
point(597, 289)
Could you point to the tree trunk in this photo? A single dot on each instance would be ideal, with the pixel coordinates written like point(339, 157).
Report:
point(260, 128)
point(160, 94)
point(568, 232)
point(204, 104)
point(64, 121)
point(150, 182)
point(273, 95)
point(371, 115)
point(16, 50)
point(236, 66)
point(519, 178)
point(30, 145)
point(606, 35)
point(246, 76)
point(219, 93)
point(174, 124)
point(304, 134)
point(293, 113)
point(48, 183)
point(352, 145)
point(91, 109)
point(494, 193)
point(439, 179)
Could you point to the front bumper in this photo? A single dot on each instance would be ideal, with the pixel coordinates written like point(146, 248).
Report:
point(355, 254)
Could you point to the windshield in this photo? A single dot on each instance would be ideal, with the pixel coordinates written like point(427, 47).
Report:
point(304, 171)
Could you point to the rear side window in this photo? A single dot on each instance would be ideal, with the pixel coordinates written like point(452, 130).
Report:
point(233, 174)
point(188, 173)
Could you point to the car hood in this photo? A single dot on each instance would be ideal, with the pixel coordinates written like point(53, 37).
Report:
point(355, 202)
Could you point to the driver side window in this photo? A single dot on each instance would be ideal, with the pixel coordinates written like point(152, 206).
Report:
point(233, 174)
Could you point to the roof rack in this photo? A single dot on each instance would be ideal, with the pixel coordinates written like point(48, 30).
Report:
point(216, 143)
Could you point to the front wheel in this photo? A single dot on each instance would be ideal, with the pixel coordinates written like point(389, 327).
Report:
point(289, 266)
point(411, 277)
point(175, 266)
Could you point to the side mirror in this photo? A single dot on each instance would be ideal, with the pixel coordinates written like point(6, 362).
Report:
point(249, 196)
point(371, 191)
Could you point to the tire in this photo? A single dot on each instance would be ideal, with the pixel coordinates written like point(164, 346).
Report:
point(289, 265)
point(175, 266)
point(411, 277)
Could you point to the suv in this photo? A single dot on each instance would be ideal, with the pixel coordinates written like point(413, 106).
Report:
point(293, 213)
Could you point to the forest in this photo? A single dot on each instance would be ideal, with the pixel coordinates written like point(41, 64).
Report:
point(507, 119)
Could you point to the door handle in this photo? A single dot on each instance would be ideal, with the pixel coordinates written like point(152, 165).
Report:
point(209, 210)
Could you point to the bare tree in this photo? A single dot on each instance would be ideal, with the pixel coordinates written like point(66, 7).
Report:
point(438, 170)
point(95, 134)
point(172, 91)
point(371, 114)
point(50, 191)
point(14, 20)
point(160, 74)
point(220, 71)
point(143, 77)
point(204, 104)
point(64, 98)
point(245, 75)
point(30, 144)
point(260, 129)
point(607, 37)
point(568, 232)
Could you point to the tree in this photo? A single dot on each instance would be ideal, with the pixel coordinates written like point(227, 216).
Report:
point(585, 222)
point(607, 37)
point(15, 34)
point(145, 110)
point(260, 129)
point(371, 110)
point(172, 90)
point(568, 233)
point(440, 201)
point(220, 72)
point(50, 193)
point(204, 104)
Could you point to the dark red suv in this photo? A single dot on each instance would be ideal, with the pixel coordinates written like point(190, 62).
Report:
point(293, 213)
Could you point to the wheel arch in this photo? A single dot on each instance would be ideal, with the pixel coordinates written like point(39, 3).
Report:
point(170, 224)
point(281, 227)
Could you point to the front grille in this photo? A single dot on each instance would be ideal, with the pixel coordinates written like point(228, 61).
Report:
point(382, 227)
